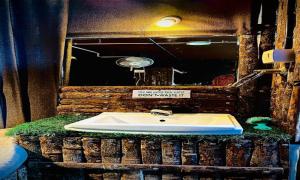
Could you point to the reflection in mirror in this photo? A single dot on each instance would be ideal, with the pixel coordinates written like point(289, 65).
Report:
point(189, 61)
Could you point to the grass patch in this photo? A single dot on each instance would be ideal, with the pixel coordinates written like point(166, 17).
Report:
point(55, 126)
point(47, 126)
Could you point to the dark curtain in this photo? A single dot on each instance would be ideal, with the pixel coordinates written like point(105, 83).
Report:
point(32, 37)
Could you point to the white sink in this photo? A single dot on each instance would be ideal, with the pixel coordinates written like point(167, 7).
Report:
point(146, 123)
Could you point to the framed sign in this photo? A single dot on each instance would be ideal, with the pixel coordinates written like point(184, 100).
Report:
point(148, 94)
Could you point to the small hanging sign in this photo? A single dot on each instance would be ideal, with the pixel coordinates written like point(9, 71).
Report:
point(148, 94)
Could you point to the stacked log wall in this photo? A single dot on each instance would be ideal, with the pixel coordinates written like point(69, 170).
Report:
point(169, 153)
point(94, 100)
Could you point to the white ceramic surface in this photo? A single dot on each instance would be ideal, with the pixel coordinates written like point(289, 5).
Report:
point(146, 123)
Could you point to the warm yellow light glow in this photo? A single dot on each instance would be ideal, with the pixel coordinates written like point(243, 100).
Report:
point(168, 21)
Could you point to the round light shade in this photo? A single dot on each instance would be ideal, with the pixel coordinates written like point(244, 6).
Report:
point(134, 62)
point(168, 21)
point(199, 43)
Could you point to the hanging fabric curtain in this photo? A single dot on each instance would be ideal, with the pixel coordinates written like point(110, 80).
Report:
point(32, 37)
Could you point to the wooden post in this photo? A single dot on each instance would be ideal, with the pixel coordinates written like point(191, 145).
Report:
point(171, 155)
point(51, 147)
point(248, 61)
point(189, 156)
point(238, 152)
point(131, 155)
point(284, 154)
point(72, 149)
point(32, 146)
point(294, 107)
point(111, 153)
point(212, 153)
point(279, 81)
point(151, 154)
point(296, 43)
point(68, 61)
point(265, 154)
point(293, 111)
point(92, 153)
point(92, 149)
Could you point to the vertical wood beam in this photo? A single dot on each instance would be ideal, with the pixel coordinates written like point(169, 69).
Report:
point(68, 60)
point(294, 107)
point(248, 61)
point(278, 94)
point(296, 43)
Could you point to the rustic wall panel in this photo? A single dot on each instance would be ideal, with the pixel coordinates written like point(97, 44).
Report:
point(94, 100)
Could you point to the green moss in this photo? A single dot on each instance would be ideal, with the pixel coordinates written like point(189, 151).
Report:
point(55, 126)
point(47, 126)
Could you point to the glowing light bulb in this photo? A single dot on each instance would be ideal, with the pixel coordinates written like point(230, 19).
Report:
point(168, 21)
point(199, 43)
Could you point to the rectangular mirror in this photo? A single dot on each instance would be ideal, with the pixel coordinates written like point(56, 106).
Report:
point(184, 61)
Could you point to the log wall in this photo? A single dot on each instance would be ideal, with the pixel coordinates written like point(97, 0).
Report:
point(94, 100)
point(284, 98)
point(139, 153)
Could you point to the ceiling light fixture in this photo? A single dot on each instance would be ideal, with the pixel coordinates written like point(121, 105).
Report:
point(209, 42)
point(199, 43)
point(168, 21)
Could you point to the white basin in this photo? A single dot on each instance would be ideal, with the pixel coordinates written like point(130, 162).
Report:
point(146, 123)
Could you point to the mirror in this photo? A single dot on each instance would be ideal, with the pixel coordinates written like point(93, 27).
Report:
point(207, 60)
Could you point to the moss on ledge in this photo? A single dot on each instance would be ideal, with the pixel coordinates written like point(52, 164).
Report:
point(55, 126)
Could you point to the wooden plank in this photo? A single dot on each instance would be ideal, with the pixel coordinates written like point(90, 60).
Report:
point(97, 99)
point(138, 102)
point(128, 89)
point(99, 109)
point(225, 170)
point(122, 96)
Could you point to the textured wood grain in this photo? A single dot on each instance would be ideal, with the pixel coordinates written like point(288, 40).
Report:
point(128, 89)
point(280, 95)
point(94, 100)
point(212, 170)
point(131, 155)
point(189, 156)
point(239, 152)
point(151, 154)
point(248, 62)
point(92, 149)
point(171, 155)
point(265, 154)
point(111, 153)
point(51, 147)
point(212, 153)
point(32, 146)
point(72, 149)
